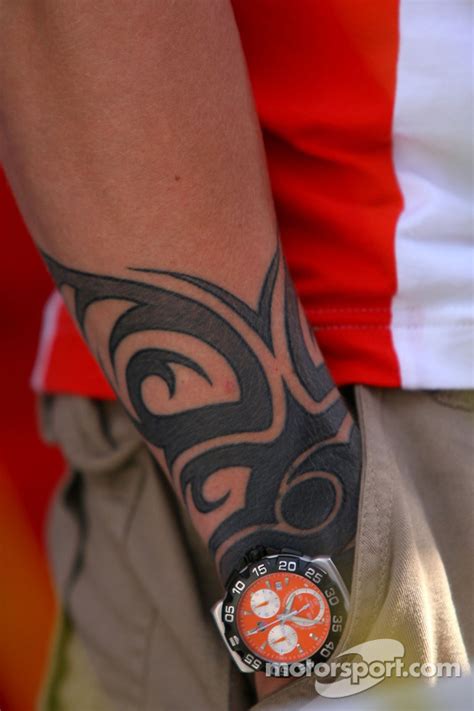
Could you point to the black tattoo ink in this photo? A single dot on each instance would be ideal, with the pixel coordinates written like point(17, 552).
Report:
point(281, 436)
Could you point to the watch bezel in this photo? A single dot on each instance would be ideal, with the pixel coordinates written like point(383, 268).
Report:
point(324, 575)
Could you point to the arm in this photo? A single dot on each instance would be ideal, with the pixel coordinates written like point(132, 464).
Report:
point(130, 139)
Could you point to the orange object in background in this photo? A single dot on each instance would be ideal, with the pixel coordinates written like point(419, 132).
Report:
point(29, 470)
point(27, 603)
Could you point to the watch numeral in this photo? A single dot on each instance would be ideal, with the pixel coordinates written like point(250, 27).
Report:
point(289, 565)
point(312, 574)
point(238, 587)
point(229, 613)
point(251, 661)
point(331, 596)
point(259, 569)
point(327, 650)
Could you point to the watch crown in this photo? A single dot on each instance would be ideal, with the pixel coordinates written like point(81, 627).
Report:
point(255, 554)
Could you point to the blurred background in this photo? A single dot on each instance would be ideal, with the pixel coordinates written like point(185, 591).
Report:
point(29, 471)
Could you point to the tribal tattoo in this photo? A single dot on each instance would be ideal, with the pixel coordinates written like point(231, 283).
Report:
point(235, 403)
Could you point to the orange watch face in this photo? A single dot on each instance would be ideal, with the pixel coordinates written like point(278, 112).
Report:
point(283, 617)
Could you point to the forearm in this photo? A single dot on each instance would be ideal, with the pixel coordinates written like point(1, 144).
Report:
point(139, 169)
point(234, 402)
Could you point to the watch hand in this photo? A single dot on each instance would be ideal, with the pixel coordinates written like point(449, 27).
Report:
point(305, 621)
point(280, 618)
point(289, 603)
point(260, 628)
point(297, 612)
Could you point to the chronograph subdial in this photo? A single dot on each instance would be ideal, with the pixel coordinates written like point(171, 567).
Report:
point(305, 600)
point(282, 639)
point(265, 603)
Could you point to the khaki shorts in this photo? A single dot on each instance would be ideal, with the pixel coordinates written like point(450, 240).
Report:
point(137, 583)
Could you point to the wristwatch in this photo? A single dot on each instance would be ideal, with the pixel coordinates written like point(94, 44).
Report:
point(282, 608)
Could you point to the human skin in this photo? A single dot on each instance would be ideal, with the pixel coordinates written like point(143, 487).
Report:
point(129, 136)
